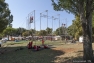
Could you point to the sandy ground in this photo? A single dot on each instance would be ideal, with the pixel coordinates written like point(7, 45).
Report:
point(72, 52)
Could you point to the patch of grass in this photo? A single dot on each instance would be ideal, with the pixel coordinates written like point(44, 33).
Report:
point(14, 53)
point(29, 56)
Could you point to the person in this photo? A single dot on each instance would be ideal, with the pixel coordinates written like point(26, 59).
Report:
point(42, 41)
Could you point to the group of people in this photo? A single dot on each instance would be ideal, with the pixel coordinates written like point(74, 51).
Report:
point(35, 47)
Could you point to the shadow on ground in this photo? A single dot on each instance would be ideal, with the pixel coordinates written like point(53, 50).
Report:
point(78, 59)
point(24, 55)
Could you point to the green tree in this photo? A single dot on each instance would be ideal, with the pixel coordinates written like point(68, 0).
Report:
point(9, 31)
point(19, 31)
point(71, 30)
point(26, 33)
point(61, 31)
point(77, 29)
point(43, 33)
point(1, 35)
point(4, 15)
point(10, 20)
point(33, 31)
point(37, 33)
point(83, 8)
point(49, 30)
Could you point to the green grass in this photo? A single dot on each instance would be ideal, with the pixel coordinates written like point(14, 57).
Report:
point(14, 55)
point(24, 43)
point(28, 56)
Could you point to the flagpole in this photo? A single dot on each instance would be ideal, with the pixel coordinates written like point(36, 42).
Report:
point(40, 21)
point(47, 18)
point(28, 21)
point(52, 27)
point(34, 28)
point(66, 29)
point(59, 27)
point(59, 24)
point(34, 20)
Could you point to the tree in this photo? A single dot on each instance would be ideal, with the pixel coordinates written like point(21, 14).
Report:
point(83, 8)
point(49, 30)
point(37, 33)
point(1, 35)
point(93, 25)
point(43, 33)
point(71, 30)
point(4, 15)
point(10, 20)
point(75, 29)
point(33, 31)
point(9, 31)
point(61, 31)
point(20, 31)
point(78, 28)
point(26, 33)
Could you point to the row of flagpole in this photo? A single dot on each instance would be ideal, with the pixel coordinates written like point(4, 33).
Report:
point(31, 15)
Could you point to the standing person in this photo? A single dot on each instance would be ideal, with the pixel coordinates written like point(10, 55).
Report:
point(42, 41)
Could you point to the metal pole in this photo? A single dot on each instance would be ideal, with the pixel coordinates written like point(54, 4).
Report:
point(66, 30)
point(40, 21)
point(47, 19)
point(34, 21)
point(47, 23)
point(59, 27)
point(59, 24)
point(65, 33)
point(52, 26)
point(28, 24)
point(66, 26)
point(34, 27)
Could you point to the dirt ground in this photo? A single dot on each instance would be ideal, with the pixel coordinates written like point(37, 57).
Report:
point(72, 52)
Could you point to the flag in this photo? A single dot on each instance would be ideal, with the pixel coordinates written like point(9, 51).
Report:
point(31, 19)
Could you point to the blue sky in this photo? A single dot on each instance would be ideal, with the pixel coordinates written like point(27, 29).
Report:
point(21, 8)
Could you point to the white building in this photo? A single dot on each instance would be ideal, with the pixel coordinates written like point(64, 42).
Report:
point(81, 39)
point(57, 37)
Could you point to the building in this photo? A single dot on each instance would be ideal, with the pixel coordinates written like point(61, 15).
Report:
point(81, 39)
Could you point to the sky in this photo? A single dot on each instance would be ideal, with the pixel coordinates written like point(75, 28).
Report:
point(21, 9)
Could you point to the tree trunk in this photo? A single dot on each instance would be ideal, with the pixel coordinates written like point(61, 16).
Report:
point(87, 42)
point(86, 19)
point(87, 31)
